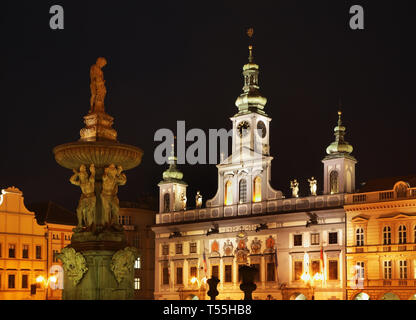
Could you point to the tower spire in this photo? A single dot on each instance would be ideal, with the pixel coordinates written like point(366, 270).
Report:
point(339, 146)
point(251, 100)
point(172, 173)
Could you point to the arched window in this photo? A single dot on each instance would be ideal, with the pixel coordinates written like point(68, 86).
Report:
point(333, 181)
point(359, 237)
point(228, 196)
point(243, 191)
point(402, 234)
point(257, 189)
point(166, 202)
point(386, 235)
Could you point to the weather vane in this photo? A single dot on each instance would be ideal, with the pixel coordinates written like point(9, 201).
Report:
point(250, 32)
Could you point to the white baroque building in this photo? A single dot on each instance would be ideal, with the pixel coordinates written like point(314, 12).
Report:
point(297, 244)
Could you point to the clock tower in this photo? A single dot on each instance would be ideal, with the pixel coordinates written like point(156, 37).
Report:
point(244, 177)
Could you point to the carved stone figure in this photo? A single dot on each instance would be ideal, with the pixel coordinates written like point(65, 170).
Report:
point(294, 185)
point(112, 178)
point(255, 246)
point(228, 248)
point(270, 244)
point(312, 186)
point(87, 202)
point(122, 263)
point(74, 264)
point(198, 200)
point(183, 200)
point(97, 85)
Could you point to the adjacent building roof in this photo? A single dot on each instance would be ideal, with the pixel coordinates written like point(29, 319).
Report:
point(50, 212)
point(387, 183)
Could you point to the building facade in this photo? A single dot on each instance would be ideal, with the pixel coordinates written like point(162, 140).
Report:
point(137, 222)
point(27, 250)
point(297, 244)
point(381, 240)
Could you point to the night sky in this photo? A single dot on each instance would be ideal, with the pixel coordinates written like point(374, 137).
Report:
point(175, 60)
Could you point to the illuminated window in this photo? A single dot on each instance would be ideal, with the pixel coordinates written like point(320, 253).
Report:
point(243, 190)
point(215, 272)
point(333, 269)
point(333, 181)
point(228, 199)
point(25, 284)
point(192, 272)
point(298, 270)
point(386, 235)
point(387, 269)
point(360, 269)
point(315, 267)
point(315, 239)
point(402, 234)
point(165, 249)
point(25, 251)
point(55, 255)
point(165, 275)
point(228, 273)
point(11, 282)
point(270, 271)
point(192, 247)
point(333, 237)
point(38, 252)
point(12, 251)
point(136, 283)
point(297, 240)
point(179, 275)
point(137, 263)
point(166, 202)
point(178, 248)
point(257, 189)
point(403, 269)
point(359, 237)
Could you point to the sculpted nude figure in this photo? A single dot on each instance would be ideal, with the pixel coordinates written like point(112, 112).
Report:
point(112, 178)
point(97, 85)
point(86, 204)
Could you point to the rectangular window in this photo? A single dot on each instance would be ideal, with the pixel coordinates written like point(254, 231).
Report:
point(333, 237)
point(38, 252)
point(193, 272)
point(137, 263)
point(228, 273)
point(403, 269)
point(136, 240)
point(215, 272)
point(0, 251)
point(12, 251)
point(178, 249)
point(270, 271)
point(315, 239)
point(165, 275)
point(297, 240)
point(55, 255)
point(136, 283)
point(25, 251)
point(165, 249)
point(179, 275)
point(25, 283)
point(387, 269)
point(298, 270)
point(315, 267)
point(360, 269)
point(257, 274)
point(11, 283)
point(333, 270)
point(192, 247)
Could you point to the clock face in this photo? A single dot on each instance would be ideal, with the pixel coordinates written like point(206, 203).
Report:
point(242, 128)
point(261, 129)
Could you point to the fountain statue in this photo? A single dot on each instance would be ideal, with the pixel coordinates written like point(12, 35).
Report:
point(98, 264)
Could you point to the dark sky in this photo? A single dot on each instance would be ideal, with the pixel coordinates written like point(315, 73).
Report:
point(175, 60)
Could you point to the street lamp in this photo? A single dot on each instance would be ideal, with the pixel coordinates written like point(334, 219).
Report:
point(46, 282)
point(310, 281)
point(200, 283)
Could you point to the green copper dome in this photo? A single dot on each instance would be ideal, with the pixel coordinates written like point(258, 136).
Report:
point(339, 145)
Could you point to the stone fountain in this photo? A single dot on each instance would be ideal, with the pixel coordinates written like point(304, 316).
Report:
point(98, 264)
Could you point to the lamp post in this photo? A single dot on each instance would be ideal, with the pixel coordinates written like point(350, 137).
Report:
point(201, 283)
point(46, 282)
point(310, 281)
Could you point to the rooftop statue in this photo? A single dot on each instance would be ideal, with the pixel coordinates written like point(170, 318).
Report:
point(312, 186)
point(294, 185)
